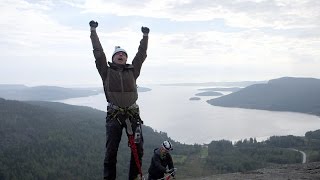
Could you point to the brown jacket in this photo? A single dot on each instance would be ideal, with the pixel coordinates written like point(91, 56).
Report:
point(119, 81)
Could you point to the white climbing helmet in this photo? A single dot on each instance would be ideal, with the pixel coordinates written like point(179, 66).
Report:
point(167, 145)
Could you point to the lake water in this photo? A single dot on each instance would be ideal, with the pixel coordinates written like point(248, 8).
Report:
point(168, 109)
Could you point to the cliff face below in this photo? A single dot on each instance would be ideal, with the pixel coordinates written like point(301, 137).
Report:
point(310, 171)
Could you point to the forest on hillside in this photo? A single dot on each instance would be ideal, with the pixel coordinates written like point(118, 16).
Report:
point(43, 140)
point(248, 154)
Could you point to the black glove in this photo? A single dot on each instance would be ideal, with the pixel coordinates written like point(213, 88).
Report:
point(145, 30)
point(93, 24)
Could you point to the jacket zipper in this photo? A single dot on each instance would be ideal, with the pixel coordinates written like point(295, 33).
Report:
point(122, 89)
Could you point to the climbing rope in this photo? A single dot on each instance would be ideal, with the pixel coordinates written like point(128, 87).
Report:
point(135, 154)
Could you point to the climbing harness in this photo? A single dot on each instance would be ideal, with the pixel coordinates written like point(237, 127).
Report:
point(129, 113)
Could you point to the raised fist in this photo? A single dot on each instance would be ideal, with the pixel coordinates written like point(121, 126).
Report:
point(145, 30)
point(93, 24)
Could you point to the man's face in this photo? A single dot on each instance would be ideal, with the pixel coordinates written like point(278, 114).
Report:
point(120, 58)
point(163, 151)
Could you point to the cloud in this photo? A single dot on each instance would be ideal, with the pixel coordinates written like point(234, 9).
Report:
point(29, 29)
point(245, 47)
point(35, 48)
point(281, 14)
point(274, 38)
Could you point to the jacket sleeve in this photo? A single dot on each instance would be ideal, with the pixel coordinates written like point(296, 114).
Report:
point(157, 162)
point(140, 56)
point(170, 162)
point(101, 60)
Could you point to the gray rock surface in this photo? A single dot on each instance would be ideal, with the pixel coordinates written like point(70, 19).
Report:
point(309, 171)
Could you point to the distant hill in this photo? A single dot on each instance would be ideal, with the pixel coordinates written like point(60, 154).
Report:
point(232, 89)
point(143, 89)
point(283, 94)
point(209, 93)
point(48, 93)
point(194, 98)
point(44, 93)
point(226, 84)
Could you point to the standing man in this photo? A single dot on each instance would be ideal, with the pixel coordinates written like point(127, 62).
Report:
point(119, 82)
point(161, 159)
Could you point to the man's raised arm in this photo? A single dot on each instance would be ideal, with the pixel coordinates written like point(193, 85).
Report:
point(101, 60)
point(142, 52)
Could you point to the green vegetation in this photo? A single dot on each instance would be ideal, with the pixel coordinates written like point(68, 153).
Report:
point(43, 140)
point(204, 152)
point(179, 159)
point(245, 155)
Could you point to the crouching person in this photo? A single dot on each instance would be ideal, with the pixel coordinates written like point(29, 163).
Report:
point(161, 159)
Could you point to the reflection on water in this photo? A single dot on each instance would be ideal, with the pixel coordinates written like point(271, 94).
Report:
point(168, 109)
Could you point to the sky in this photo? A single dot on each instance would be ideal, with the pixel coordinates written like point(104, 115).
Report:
point(47, 42)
